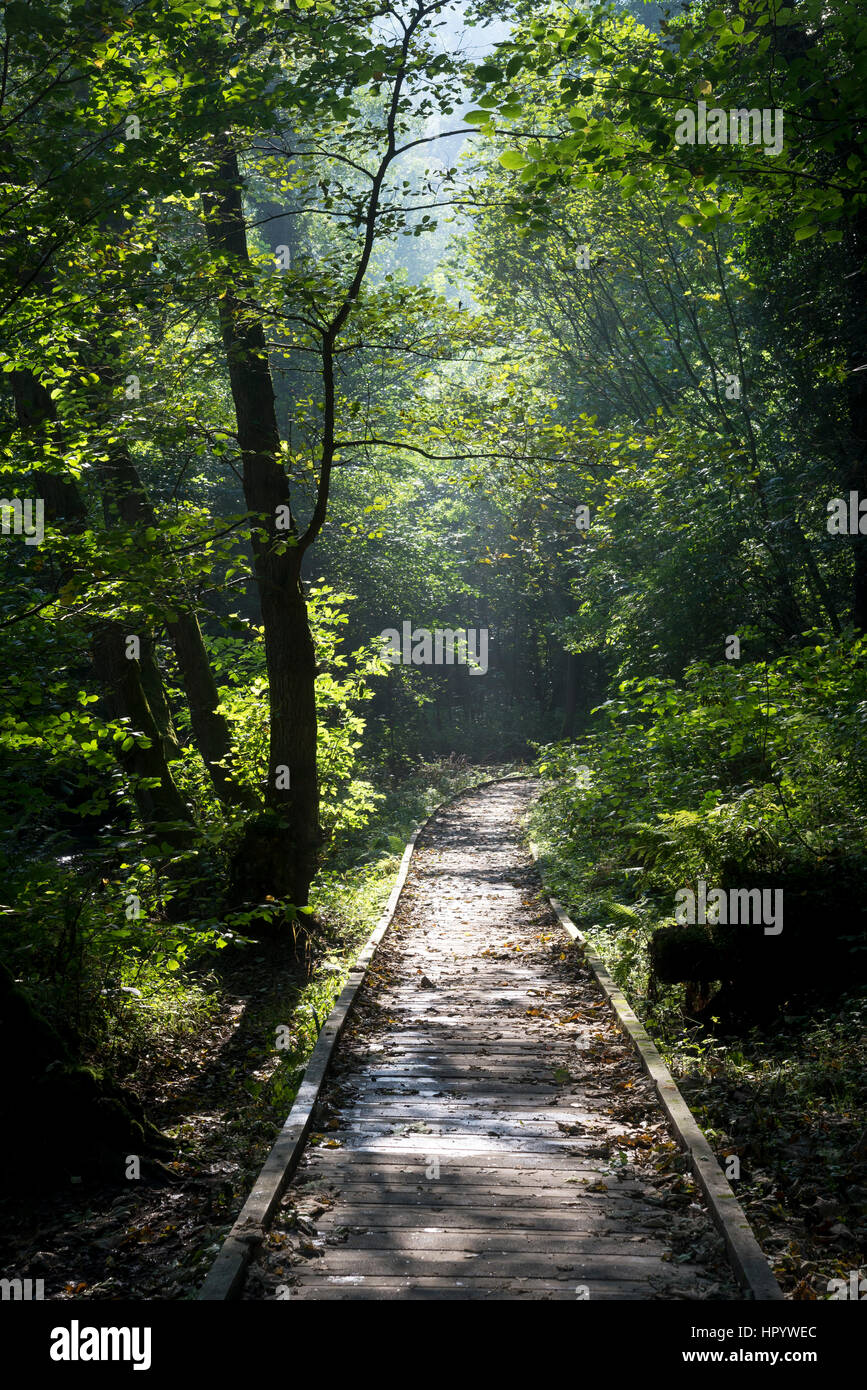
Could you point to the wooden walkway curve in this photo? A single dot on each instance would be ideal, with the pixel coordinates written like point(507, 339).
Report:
point(485, 1130)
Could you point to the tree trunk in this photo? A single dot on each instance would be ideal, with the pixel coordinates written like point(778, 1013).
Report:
point(280, 852)
point(570, 697)
point(211, 729)
point(152, 684)
point(857, 392)
point(161, 805)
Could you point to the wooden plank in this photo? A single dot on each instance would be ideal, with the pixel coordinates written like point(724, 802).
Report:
point(591, 1241)
point(475, 1219)
point(503, 1053)
point(541, 1089)
point(495, 1029)
point(461, 1122)
point(371, 1141)
point(467, 997)
point(510, 1265)
point(400, 1205)
point(528, 1162)
point(480, 1071)
point(468, 1111)
point(439, 1192)
point(357, 1288)
point(469, 1057)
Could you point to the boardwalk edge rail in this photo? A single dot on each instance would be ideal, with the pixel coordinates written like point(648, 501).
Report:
point(225, 1278)
point(747, 1257)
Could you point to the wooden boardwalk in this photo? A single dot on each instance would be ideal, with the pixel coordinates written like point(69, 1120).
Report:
point(485, 1131)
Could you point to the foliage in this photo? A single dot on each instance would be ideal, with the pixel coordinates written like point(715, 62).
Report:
point(745, 774)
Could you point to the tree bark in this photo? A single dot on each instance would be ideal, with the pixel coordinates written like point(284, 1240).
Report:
point(211, 729)
point(857, 393)
point(280, 853)
point(160, 806)
point(152, 684)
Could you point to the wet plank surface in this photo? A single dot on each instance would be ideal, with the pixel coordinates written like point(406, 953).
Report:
point(486, 1131)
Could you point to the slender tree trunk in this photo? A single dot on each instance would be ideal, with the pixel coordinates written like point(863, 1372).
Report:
point(124, 697)
point(570, 694)
point(211, 729)
point(279, 853)
point(821, 589)
point(152, 684)
point(857, 391)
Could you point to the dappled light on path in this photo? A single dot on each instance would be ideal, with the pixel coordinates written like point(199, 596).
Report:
point(486, 1131)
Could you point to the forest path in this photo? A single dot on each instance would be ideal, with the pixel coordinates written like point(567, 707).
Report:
point(485, 1130)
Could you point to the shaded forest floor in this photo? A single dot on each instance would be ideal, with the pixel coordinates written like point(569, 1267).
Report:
point(803, 1180)
point(154, 1238)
